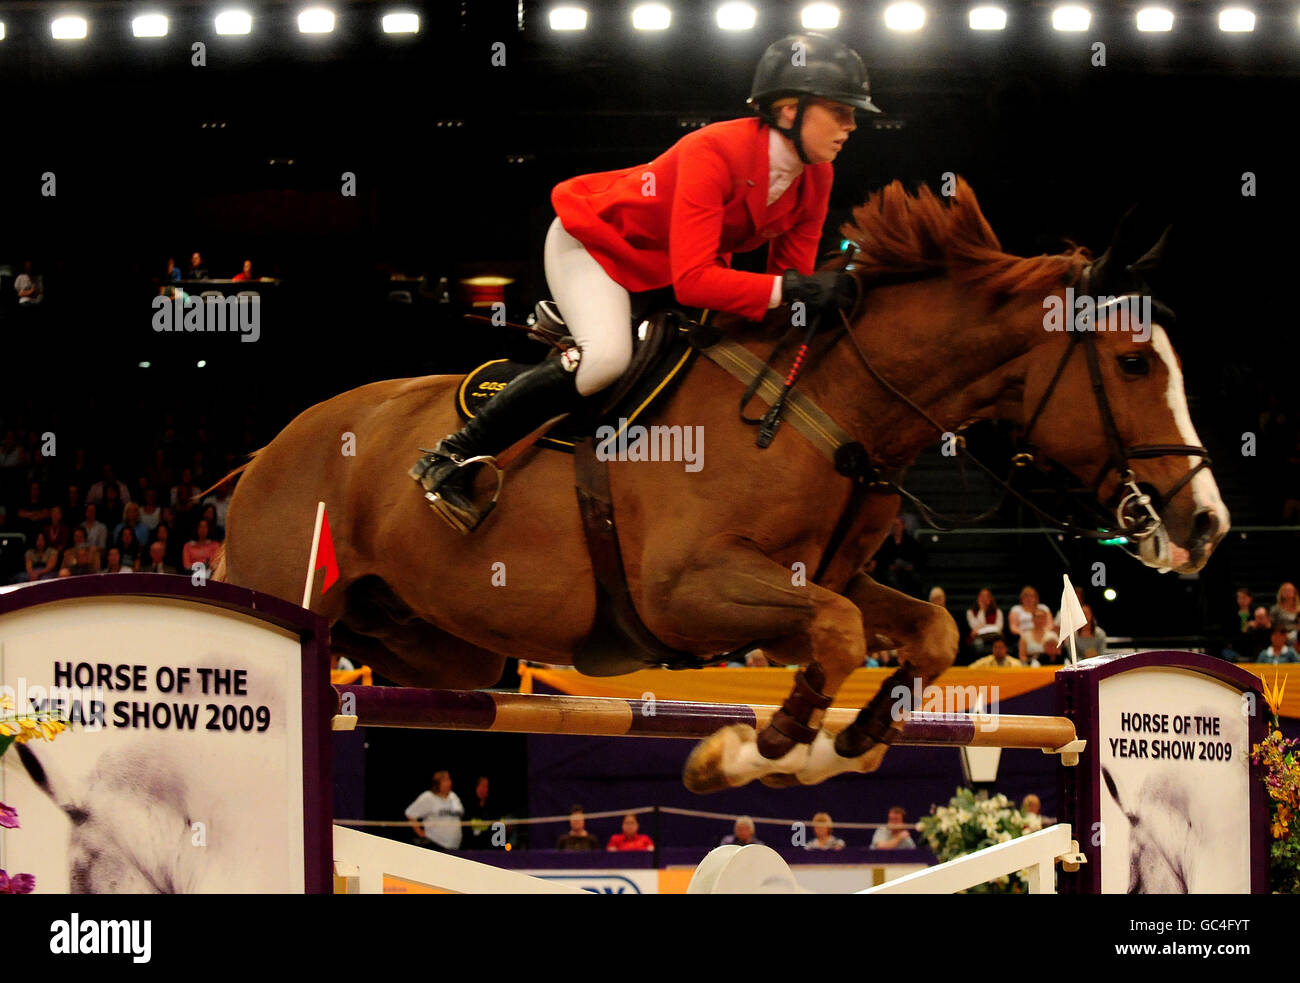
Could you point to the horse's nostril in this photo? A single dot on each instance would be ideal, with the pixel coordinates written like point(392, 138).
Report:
point(1205, 527)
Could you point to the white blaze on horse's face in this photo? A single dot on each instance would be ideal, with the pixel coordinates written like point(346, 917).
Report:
point(1159, 550)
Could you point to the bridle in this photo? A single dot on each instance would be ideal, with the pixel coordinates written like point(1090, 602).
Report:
point(1136, 516)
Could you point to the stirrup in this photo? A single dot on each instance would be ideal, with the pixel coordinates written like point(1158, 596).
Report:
point(463, 520)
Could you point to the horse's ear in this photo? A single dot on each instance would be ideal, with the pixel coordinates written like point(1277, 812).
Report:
point(1109, 268)
point(1154, 256)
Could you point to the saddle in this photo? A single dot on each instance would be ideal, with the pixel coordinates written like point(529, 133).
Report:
point(666, 342)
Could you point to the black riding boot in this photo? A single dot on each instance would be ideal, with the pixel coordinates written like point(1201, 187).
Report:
point(544, 391)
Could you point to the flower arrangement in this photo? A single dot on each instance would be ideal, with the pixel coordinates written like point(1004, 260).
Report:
point(1280, 759)
point(971, 822)
point(19, 729)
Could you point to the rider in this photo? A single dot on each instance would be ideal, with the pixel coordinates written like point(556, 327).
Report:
point(725, 188)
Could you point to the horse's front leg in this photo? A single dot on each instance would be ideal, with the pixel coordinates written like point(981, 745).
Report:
point(926, 638)
point(735, 593)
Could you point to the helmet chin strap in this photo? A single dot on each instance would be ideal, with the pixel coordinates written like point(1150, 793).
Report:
point(795, 133)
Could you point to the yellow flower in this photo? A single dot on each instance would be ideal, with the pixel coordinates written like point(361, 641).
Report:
point(1273, 694)
point(27, 723)
point(6, 701)
point(5, 731)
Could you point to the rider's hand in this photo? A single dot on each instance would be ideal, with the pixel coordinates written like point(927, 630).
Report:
point(824, 292)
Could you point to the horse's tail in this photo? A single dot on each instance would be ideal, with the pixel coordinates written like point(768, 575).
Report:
point(238, 471)
point(219, 568)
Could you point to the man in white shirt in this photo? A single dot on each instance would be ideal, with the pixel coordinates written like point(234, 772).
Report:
point(436, 814)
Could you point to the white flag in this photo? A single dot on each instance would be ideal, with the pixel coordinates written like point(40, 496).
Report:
point(1072, 616)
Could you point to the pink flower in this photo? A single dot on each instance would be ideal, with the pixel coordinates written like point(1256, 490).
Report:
point(17, 884)
point(8, 816)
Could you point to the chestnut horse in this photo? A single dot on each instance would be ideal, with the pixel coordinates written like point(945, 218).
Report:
point(713, 555)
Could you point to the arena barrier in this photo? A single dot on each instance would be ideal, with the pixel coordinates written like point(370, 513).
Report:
point(220, 695)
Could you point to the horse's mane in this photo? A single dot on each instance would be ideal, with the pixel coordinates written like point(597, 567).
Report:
point(896, 232)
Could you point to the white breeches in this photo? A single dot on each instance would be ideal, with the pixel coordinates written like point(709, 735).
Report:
point(597, 310)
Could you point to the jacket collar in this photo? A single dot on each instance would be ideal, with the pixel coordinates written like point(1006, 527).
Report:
point(759, 178)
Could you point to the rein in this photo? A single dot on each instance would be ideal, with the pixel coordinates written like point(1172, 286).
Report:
point(1135, 515)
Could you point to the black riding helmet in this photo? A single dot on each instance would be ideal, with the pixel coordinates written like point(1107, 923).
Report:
point(806, 65)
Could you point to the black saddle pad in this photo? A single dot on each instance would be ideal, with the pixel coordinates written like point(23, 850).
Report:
point(662, 353)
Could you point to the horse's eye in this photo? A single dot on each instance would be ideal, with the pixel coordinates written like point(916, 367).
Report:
point(1134, 364)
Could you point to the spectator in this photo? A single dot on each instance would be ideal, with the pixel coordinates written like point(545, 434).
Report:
point(114, 564)
point(578, 837)
point(1090, 640)
point(72, 505)
point(756, 659)
point(481, 814)
point(1030, 805)
point(183, 494)
point(1041, 639)
point(246, 273)
point(631, 838)
point(435, 814)
point(172, 274)
point(822, 834)
point(150, 513)
point(1261, 631)
point(939, 596)
point(110, 509)
point(127, 546)
point(1021, 617)
point(201, 549)
point(197, 270)
point(35, 512)
point(12, 453)
point(131, 520)
point(29, 285)
point(896, 836)
point(157, 559)
point(57, 534)
point(999, 658)
point(85, 558)
point(742, 832)
point(985, 622)
point(220, 502)
point(96, 493)
point(42, 561)
point(1279, 651)
point(1286, 612)
point(1237, 628)
point(96, 532)
point(209, 515)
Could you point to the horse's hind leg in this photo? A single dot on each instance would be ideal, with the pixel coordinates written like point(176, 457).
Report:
point(740, 594)
point(926, 637)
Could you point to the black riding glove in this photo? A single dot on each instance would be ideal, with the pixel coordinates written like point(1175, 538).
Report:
point(824, 293)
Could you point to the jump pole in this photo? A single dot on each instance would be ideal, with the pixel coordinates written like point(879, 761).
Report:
point(591, 716)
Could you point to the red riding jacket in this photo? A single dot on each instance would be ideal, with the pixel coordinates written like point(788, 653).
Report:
point(678, 219)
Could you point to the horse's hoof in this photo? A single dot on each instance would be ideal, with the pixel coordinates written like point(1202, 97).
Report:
point(704, 772)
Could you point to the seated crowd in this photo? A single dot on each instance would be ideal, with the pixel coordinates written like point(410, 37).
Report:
point(159, 525)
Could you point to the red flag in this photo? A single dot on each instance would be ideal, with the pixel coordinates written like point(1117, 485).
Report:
point(325, 554)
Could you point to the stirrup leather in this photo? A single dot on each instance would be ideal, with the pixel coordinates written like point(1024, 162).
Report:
point(434, 470)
